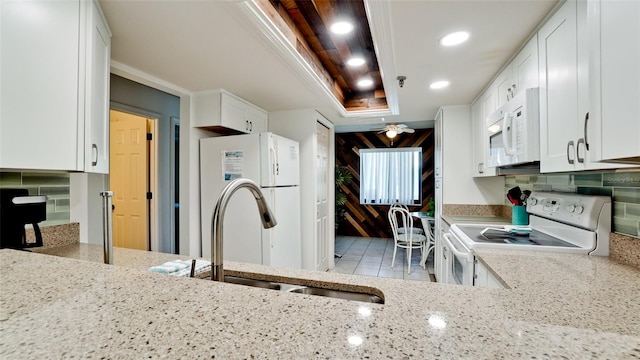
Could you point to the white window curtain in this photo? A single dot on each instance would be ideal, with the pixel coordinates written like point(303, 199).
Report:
point(390, 176)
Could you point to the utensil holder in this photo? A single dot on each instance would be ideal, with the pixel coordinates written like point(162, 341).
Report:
point(519, 215)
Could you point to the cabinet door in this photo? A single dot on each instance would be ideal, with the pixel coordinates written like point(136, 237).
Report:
point(503, 86)
point(479, 144)
point(557, 47)
point(525, 67)
point(232, 114)
point(40, 77)
point(480, 275)
point(257, 120)
point(97, 93)
point(614, 40)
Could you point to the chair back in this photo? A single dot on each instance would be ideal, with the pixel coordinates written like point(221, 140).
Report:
point(399, 218)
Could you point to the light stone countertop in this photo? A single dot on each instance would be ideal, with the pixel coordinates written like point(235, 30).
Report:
point(74, 306)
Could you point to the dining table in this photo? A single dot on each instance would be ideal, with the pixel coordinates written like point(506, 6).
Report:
point(428, 223)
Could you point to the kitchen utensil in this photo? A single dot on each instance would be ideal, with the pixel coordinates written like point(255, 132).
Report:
point(525, 195)
point(514, 195)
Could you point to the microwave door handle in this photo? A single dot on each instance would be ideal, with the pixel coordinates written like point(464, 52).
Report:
point(507, 134)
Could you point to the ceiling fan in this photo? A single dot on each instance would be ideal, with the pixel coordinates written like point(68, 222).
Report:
point(392, 130)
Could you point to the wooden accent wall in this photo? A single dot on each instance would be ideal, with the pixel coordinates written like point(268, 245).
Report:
point(371, 220)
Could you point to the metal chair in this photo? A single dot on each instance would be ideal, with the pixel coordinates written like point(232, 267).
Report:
point(399, 217)
point(430, 244)
point(402, 230)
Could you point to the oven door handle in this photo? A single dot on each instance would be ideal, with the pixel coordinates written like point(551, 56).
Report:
point(468, 256)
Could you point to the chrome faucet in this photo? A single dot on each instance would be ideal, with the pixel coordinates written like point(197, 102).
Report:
point(217, 220)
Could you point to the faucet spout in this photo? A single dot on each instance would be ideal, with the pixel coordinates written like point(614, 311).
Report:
point(217, 221)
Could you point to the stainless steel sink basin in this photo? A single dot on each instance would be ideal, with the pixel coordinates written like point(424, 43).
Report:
point(299, 288)
point(338, 294)
point(251, 282)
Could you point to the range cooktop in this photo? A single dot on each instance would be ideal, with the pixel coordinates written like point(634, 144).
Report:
point(535, 238)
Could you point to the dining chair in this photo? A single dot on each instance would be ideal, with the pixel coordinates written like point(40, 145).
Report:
point(430, 243)
point(402, 229)
point(399, 217)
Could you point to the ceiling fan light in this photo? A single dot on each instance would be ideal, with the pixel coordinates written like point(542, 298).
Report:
point(391, 133)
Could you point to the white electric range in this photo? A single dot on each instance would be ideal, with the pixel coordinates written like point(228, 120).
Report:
point(558, 222)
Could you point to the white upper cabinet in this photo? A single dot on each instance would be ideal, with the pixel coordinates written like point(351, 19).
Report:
point(479, 139)
point(525, 67)
point(565, 87)
point(503, 85)
point(97, 93)
point(614, 70)
point(521, 73)
point(559, 86)
point(223, 112)
point(47, 111)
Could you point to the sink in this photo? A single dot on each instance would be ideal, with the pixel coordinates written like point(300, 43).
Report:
point(298, 288)
point(251, 282)
point(339, 294)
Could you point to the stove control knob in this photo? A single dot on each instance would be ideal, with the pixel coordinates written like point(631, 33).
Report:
point(533, 201)
point(579, 209)
point(571, 208)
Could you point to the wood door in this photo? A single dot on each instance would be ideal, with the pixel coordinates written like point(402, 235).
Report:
point(322, 201)
point(129, 180)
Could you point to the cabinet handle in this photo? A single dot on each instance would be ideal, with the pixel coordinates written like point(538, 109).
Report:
point(580, 159)
point(246, 125)
point(444, 252)
point(586, 140)
point(480, 168)
point(250, 125)
point(569, 145)
point(94, 147)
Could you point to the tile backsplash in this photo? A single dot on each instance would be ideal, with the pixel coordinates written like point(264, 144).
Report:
point(54, 185)
point(622, 186)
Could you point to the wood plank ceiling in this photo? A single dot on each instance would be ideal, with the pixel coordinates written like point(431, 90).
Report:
point(310, 21)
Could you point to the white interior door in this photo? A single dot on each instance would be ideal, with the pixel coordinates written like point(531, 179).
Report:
point(322, 190)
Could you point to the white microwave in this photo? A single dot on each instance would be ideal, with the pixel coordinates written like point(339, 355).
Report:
point(513, 131)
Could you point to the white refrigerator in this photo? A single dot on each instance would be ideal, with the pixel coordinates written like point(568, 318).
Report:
point(272, 162)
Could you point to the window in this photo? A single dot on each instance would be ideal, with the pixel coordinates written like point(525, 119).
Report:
point(388, 176)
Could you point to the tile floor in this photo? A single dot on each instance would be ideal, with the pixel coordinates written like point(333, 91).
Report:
point(372, 257)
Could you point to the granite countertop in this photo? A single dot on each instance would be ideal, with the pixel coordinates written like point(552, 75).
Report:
point(74, 306)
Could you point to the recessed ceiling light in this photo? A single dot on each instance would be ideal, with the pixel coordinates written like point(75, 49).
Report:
point(355, 61)
point(454, 38)
point(341, 27)
point(439, 84)
point(365, 83)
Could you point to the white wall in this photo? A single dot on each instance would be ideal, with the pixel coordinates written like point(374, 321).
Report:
point(459, 185)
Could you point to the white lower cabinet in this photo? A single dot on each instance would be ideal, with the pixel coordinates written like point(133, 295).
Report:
point(220, 111)
point(55, 81)
point(483, 278)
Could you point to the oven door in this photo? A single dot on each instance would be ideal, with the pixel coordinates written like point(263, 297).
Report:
point(459, 261)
